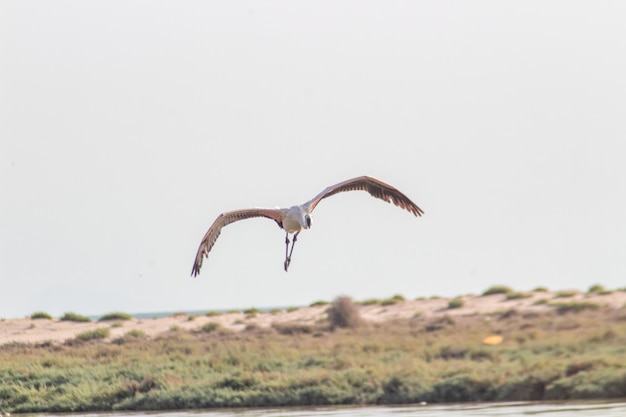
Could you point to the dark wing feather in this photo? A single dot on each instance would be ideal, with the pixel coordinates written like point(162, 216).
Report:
point(225, 219)
point(375, 187)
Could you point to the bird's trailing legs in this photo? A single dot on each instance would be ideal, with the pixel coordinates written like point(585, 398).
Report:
point(287, 251)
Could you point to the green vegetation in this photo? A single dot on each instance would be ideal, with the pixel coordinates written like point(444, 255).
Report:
point(544, 356)
point(370, 301)
point(135, 334)
point(498, 289)
point(213, 313)
point(516, 295)
point(574, 307)
point(319, 303)
point(99, 333)
point(566, 294)
point(115, 316)
point(540, 289)
point(40, 315)
point(598, 290)
point(571, 351)
point(75, 317)
point(251, 311)
point(393, 300)
point(455, 303)
point(210, 326)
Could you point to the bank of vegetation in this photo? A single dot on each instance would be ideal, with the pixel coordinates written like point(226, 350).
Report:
point(567, 352)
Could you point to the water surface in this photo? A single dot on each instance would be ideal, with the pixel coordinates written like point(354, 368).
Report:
point(552, 409)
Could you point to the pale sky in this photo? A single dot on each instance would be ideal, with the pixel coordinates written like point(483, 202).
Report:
point(126, 127)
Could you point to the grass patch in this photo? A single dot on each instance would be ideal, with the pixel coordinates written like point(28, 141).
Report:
point(497, 289)
point(135, 334)
point(574, 306)
point(544, 356)
point(70, 316)
point(213, 313)
point(115, 316)
point(566, 294)
point(516, 295)
point(95, 334)
point(319, 303)
point(370, 301)
point(40, 315)
point(210, 327)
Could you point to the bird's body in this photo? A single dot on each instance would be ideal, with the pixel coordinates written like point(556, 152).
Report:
point(296, 218)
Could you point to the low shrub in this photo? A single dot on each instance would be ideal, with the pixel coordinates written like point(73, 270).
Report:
point(455, 303)
point(115, 316)
point(343, 312)
point(40, 315)
point(516, 295)
point(75, 317)
point(135, 334)
point(574, 306)
point(497, 289)
point(566, 294)
point(319, 303)
point(370, 301)
point(210, 326)
point(95, 334)
point(253, 311)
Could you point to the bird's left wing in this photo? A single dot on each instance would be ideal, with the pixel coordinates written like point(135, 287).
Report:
point(374, 186)
point(225, 219)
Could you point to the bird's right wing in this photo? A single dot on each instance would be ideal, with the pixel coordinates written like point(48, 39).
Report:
point(225, 219)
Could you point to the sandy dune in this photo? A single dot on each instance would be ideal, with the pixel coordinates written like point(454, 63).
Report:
point(36, 331)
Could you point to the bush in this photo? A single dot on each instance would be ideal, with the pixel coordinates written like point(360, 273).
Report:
point(115, 316)
point(319, 303)
point(516, 295)
point(574, 307)
point(213, 313)
point(596, 288)
point(344, 313)
point(393, 300)
point(599, 290)
point(455, 303)
point(75, 317)
point(99, 333)
point(210, 326)
point(40, 315)
point(370, 301)
point(135, 334)
point(566, 294)
point(498, 289)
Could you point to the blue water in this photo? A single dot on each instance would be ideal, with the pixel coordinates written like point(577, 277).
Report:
point(555, 409)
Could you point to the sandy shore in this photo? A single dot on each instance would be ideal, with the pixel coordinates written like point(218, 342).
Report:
point(41, 330)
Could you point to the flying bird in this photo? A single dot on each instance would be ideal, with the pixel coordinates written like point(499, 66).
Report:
point(292, 220)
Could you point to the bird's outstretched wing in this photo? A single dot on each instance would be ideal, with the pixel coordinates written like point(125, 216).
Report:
point(225, 219)
point(375, 187)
